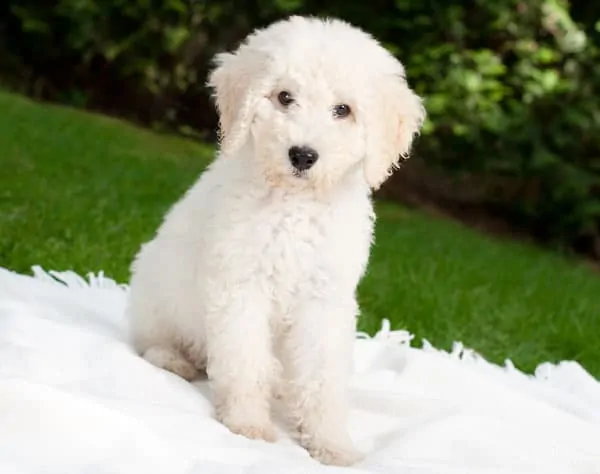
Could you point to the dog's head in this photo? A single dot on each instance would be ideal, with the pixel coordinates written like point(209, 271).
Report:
point(315, 100)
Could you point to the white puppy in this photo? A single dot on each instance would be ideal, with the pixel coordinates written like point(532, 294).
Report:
point(252, 276)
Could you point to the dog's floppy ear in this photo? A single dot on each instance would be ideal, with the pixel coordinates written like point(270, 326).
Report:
point(396, 116)
point(239, 82)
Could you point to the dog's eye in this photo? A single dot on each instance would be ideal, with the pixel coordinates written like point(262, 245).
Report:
point(341, 111)
point(285, 98)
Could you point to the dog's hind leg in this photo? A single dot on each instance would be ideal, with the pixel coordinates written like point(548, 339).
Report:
point(172, 360)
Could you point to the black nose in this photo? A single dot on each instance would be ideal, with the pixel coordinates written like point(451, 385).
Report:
point(302, 157)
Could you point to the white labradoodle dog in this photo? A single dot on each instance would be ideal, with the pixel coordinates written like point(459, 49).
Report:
point(252, 276)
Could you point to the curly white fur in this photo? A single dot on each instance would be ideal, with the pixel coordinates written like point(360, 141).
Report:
point(252, 276)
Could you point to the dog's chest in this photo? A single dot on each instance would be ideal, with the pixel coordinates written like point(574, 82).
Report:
point(310, 248)
point(295, 237)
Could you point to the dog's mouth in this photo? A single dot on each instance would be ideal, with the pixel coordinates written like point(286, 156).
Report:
point(300, 174)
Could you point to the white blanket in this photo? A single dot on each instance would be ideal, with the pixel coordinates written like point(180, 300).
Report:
point(74, 398)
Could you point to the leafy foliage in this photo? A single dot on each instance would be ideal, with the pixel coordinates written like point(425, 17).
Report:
point(510, 86)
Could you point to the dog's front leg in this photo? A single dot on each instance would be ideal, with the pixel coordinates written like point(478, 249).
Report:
point(240, 360)
point(318, 362)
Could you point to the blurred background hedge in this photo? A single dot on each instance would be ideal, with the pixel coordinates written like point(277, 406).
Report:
point(511, 88)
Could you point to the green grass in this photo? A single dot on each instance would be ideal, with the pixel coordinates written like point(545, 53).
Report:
point(82, 192)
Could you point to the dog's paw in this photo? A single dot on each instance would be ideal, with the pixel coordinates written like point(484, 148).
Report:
point(171, 360)
point(184, 369)
point(246, 413)
point(265, 432)
point(334, 455)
